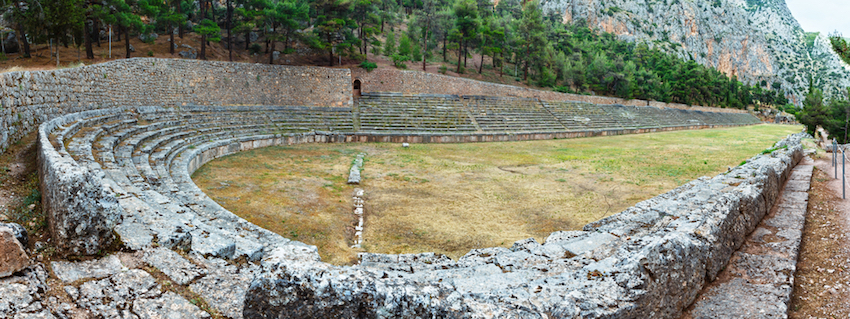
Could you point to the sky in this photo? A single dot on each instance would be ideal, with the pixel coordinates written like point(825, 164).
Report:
point(822, 15)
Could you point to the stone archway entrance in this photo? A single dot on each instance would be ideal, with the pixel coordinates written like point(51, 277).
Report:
point(357, 88)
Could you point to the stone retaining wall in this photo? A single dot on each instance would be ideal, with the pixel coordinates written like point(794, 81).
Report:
point(415, 82)
point(30, 98)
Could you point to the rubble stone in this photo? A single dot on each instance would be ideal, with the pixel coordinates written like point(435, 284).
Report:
point(13, 258)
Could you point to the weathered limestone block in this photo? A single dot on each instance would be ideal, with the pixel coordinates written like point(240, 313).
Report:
point(81, 213)
point(177, 268)
point(69, 272)
point(167, 306)
point(24, 293)
point(19, 231)
point(13, 258)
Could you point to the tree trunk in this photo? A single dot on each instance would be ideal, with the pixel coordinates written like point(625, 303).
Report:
point(180, 26)
point(271, 53)
point(445, 38)
point(424, 47)
point(89, 51)
point(96, 32)
point(171, 43)
point(465, 45)
point(23, 39)
point(525, 66)
point(459, 53)
point(483, 45)
point(247, 39)
point(127, 41)
point(501, 67)
point(229, 36)
point(481, 66)
point(331, 49)
point(203, 37)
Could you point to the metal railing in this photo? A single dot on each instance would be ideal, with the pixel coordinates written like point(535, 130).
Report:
point(835, 150)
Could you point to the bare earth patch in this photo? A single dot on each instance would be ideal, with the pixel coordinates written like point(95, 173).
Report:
point(450, 198)
point(822, 280)
point(20, 200)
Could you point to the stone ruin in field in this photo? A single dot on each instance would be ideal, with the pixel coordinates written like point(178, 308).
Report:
point(118, 142)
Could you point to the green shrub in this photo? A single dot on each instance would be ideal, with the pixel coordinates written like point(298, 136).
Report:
point(369, 66)
point(404, 47)
point(389, 45)
point(563, 89)
point(398, 61)
point(416, 55)
point(255, 48)
point(443, 69)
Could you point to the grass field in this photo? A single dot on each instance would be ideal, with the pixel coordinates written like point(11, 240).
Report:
point(450, 198)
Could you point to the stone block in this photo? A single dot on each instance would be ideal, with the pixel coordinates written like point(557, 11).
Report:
point(177, 268)
point(69, 272)
point(13, 258)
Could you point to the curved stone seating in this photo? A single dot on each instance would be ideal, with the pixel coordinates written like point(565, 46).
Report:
point(500, 114)
point(382, 112)
point(648, 261)
point(136, 163)
point(433, 113)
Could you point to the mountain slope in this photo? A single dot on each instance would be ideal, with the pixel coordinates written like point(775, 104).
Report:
point(759, 41)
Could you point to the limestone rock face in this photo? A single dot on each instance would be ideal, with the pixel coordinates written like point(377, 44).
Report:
point(753, 41)
point(13, 258)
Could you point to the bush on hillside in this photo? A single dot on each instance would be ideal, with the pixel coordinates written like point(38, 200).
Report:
point(369, 66)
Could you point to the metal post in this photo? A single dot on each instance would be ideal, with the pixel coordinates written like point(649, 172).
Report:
point(835, 165)
point(843, 185)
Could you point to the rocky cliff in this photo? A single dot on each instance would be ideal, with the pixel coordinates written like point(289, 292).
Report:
point(759, 41)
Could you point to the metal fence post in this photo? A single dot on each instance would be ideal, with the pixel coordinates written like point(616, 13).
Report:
point(835, 158)
point(843, 185)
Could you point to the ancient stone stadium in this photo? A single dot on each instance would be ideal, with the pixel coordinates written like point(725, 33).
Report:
point(118, 142)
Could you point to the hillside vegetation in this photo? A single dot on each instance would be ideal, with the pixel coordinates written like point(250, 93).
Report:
point(467, 36)
point(839, 44)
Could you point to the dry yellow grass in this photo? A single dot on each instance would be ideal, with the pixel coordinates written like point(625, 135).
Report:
point(450, 198)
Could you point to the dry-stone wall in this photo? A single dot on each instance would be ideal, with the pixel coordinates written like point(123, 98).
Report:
point(31, 98)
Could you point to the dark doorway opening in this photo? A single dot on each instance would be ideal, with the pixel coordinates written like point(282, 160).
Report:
point(356, 88)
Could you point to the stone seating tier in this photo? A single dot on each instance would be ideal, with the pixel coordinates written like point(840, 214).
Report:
point(142, 159)
point(395, 112)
